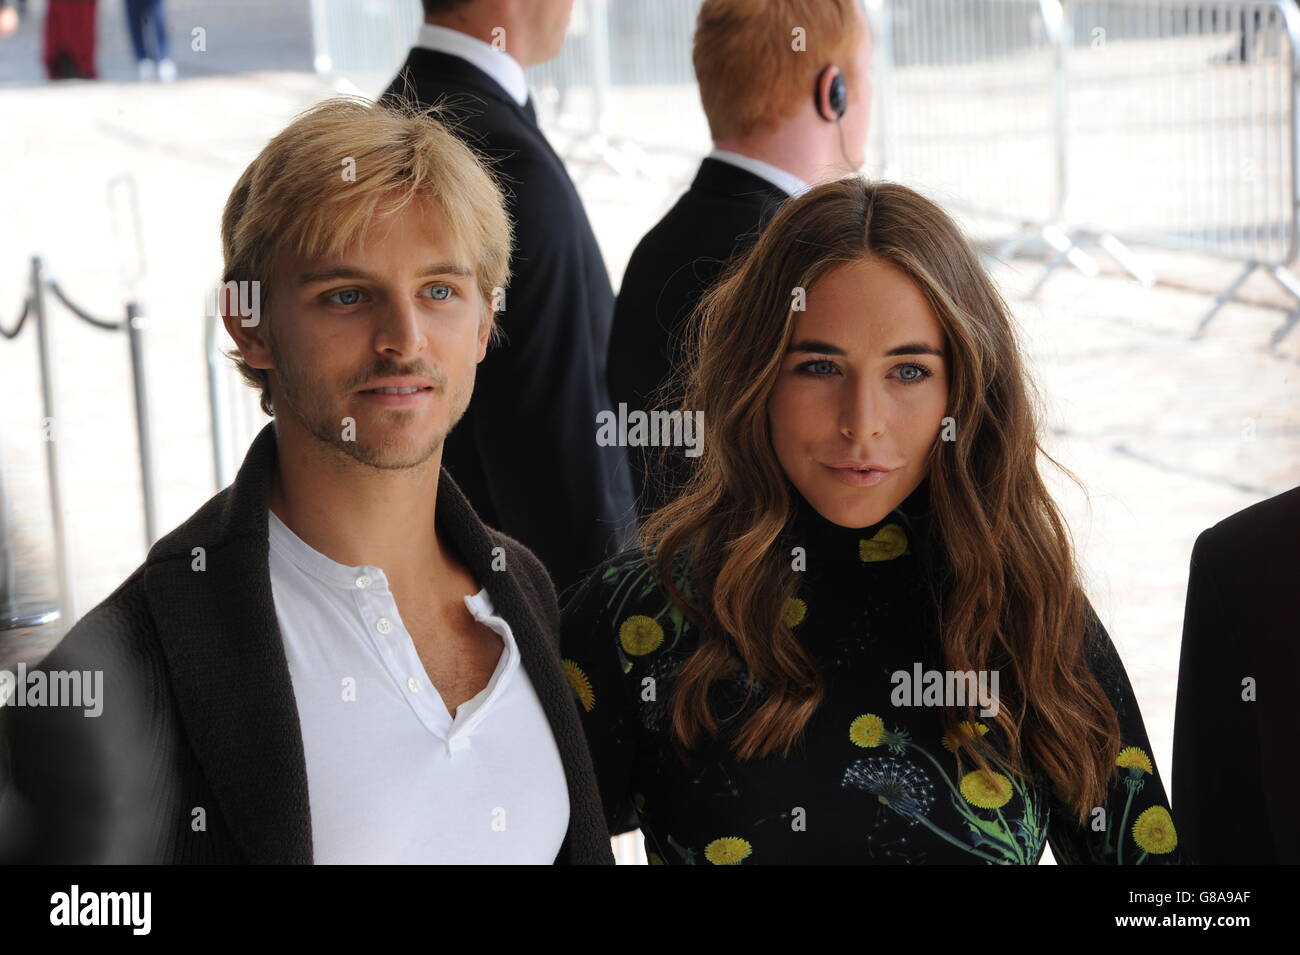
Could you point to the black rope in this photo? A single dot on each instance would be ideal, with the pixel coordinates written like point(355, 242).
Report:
point(27, 308)
point(97, 322)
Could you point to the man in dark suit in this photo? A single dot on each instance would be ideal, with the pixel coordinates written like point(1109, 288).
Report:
point(1236, 777)
point(334, 659)
point(526, 453)
point(784, 112)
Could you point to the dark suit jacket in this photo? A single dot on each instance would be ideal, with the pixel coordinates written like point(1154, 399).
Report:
point(720, 215)
point(198, 705)
point(525, 453)
point(1236, 771)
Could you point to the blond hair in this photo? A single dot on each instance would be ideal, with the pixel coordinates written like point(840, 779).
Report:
point(318, 186)
point(747, 66)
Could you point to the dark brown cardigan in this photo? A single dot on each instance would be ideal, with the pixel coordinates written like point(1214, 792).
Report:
point(198, 755)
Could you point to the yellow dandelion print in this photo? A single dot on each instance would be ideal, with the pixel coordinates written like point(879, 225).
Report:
point(581, 685)
point(967, 729)
point(888, 543)
point(729, 850)
point(1154, 831)
point(795, 611)
point(867, 730)
point(1134, 757)
point(640, 635)
point(979, 790)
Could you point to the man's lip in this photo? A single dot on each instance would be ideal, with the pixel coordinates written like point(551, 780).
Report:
point(409, 383)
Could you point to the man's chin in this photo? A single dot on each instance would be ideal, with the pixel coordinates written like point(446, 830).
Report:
point(387, 449)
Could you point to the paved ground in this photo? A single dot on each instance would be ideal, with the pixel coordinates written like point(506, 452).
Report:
point(1167, 435)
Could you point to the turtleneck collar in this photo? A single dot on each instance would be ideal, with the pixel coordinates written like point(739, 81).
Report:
point(901, 534)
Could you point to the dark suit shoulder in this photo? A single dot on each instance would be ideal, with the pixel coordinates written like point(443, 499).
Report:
point(1258, 534)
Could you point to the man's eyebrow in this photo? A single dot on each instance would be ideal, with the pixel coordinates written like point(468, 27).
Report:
point(826, 348)
point(348, 272)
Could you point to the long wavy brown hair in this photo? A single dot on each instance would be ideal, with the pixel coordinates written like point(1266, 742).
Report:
point(1010, 600)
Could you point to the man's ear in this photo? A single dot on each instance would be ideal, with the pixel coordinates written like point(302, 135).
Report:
point(484, 333)
point(241, 312)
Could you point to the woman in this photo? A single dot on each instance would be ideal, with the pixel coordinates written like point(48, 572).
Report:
point(773, 677)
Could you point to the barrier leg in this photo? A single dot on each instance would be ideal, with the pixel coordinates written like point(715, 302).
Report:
point(1224, 297)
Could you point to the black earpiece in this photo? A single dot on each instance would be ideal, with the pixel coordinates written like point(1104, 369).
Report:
point(839, 95)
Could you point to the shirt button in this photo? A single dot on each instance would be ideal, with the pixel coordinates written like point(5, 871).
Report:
point(363, 581)
point(413, 684)
point(384, 626)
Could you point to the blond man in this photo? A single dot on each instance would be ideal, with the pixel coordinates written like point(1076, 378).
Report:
point(334, 659)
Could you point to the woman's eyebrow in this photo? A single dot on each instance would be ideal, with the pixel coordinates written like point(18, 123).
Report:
point(812, 345)
point(914, 348)
point(826, 348)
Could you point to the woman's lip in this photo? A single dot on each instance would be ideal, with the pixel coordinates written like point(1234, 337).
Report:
point(855, 478)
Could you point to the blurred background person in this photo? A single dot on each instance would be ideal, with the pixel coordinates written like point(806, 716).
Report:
point(526, 454)
point(147, 23)
point(70, 40)
point(1235, 781)
point(782, 115)
point(8, 18)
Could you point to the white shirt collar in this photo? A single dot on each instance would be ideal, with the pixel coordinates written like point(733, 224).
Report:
point(787, 182)
point(498, 64)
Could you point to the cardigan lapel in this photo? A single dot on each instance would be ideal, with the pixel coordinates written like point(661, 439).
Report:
point(538, 651)
point(226, 659)
point(225, 655)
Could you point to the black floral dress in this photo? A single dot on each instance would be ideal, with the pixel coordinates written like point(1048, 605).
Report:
point(874, 778)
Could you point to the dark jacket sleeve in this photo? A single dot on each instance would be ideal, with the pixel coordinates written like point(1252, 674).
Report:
point(1135, 825)
point(589, 642)
point(538, 392)
point(79, 775)
point(1216, 768)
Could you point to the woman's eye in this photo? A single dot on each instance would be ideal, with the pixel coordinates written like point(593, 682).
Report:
point(819, 367)
point(347, 291)
point(917, 373)
point(440, 292)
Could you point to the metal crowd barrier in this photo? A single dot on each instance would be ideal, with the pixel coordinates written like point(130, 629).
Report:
point(235, 409)
point(1170, 123)
point(53, 426)
point(1183, 128)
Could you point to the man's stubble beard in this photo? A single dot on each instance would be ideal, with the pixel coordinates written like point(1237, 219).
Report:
point(310, 408)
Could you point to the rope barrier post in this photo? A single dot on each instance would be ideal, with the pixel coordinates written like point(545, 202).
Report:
point(217, 412)
point(135, 325)
point(51, 426)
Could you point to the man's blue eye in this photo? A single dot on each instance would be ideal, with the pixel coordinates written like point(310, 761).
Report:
point(347, 291)
point(446, 289)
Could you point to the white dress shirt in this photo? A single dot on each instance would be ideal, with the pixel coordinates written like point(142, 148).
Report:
point(787, 182)
point(392, 777)
point(498, 64)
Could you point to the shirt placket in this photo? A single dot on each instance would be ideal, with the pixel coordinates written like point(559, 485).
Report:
point(391, 641)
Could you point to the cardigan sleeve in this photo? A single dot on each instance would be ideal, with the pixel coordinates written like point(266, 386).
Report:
point(80, 776)
point(1135, 825)
point(595, 667)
